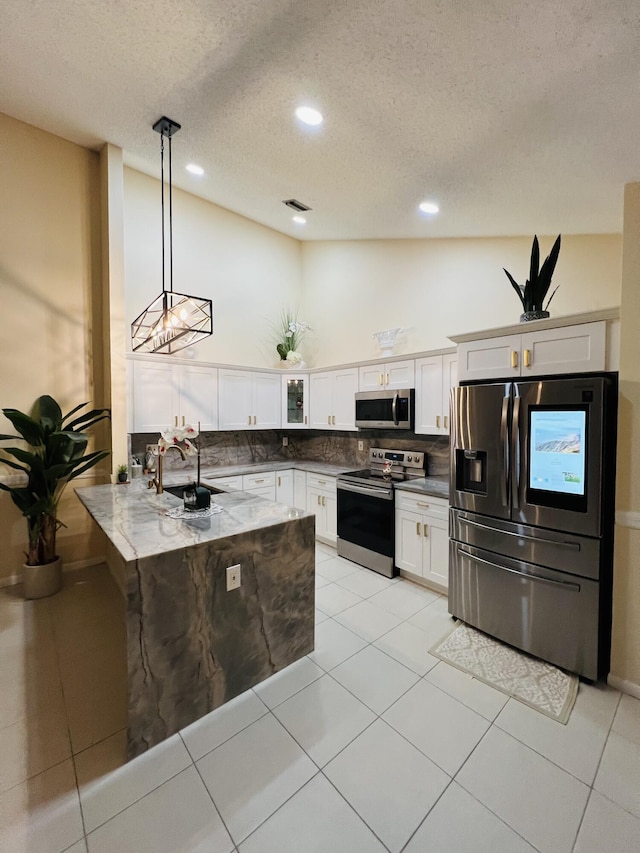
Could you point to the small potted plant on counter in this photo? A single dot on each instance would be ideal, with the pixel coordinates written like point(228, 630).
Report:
point(123, 473)
point(54, 455)
point(533, 294)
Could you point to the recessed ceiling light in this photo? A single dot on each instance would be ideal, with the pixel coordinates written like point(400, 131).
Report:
point(195, 170)
point(429, 207)
point(300, 220)
point(308, 115)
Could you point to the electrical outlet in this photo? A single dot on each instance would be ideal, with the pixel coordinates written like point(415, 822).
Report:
point(285, 441)
point(234, 577)
point(361, 445)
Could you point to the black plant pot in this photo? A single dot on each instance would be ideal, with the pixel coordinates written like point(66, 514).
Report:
point(122, 478)
point(533, 315)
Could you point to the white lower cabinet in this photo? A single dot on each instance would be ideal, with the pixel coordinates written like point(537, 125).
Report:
point(284, 487)
point(422, 537)
point(322, 502)
point(300, 489)
point(263, 484)
point(227, 484)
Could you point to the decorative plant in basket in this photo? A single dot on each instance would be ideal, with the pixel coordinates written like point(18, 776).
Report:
point(55, 454)
point(533, 294)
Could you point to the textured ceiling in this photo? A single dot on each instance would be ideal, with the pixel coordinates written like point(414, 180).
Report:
point(517, 117)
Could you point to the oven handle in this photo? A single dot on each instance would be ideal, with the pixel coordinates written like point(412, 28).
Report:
point(574, 546)
point(569, 586)
point(383, 494)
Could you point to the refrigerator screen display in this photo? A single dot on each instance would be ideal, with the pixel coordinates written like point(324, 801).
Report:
point(557, 450)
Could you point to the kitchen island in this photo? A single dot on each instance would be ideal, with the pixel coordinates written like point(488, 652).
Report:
point(192, 645)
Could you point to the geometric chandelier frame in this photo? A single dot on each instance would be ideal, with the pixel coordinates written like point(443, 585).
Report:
point(172, 321)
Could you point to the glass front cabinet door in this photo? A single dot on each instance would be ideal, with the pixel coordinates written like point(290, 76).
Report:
point(295, 401)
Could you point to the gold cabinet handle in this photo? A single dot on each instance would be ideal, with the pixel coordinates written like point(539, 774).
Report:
point(176, 420)
point(437, 421)
point(333, 420)
point(426, 530)
point(386, 382)
point(514, 358)
point(279, 481)
point(527, 358)
point(305, 419)
point(446, 421)
point(322, 482)
point(249, 421)
point(418, 528)
point(255, 420)
point(319, 501)
point(329, 419)
point(261, 480)
point(324, 502)
point(183, 420)
point(426, 506)
point(380, 379)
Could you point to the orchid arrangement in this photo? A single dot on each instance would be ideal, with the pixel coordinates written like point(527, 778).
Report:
point(180, 436)
point(289, 333)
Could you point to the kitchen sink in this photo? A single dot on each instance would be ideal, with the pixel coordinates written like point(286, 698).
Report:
point(179, 490)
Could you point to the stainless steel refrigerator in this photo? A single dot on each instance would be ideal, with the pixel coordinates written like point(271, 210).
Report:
point(532, 497)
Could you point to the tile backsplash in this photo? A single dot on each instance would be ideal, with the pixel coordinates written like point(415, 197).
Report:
point(338, 448)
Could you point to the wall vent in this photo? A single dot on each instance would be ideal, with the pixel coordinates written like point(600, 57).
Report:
point(294, 204)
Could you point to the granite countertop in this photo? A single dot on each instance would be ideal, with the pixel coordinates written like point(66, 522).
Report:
point(309, 465)
point(437, 487)
point(134, 517)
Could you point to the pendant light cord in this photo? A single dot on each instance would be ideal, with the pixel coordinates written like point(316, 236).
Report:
point(162, 191)
point(170, 222)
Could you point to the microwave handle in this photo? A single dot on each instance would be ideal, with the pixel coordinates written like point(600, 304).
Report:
point(394, 408)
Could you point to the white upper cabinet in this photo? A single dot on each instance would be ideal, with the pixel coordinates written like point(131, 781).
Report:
point(542, 352)
point(249, 400)
point(167, 394)
point(435, 376)
point(295, 401)
point(332, 404)
point(394, 375)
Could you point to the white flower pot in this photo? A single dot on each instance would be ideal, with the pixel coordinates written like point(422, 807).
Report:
point(41, 581)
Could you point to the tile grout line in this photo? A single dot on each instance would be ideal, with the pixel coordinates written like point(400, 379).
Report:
point(213, 802)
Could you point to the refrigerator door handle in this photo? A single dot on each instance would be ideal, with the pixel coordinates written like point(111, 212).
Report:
point(504, 480)
point(572, 586)
point(515, 455)
point(573, 546)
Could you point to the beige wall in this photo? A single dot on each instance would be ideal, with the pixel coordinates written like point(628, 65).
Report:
point(49, 282)
point(433, 288)
point(625, 657)
point(249, 271)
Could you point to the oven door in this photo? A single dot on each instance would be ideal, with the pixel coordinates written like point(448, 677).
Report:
point(366, 529)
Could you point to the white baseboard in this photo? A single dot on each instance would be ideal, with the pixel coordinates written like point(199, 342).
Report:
point(73, 566)
point(623, 685)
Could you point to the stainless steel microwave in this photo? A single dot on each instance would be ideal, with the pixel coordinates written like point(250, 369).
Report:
point(385, 409)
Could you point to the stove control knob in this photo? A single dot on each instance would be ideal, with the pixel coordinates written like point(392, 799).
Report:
point(409, 458)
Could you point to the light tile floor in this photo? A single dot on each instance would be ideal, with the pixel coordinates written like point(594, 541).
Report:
point(368, 744)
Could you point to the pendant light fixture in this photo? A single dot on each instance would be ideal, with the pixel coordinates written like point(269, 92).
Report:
point(173, 321)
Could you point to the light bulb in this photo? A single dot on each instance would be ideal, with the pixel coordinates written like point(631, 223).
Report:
point(308, 115)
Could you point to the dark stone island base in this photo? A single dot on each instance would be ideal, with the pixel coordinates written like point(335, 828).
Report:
point(192, 646)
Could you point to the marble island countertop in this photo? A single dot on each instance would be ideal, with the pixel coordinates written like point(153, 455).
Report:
point(134, 517)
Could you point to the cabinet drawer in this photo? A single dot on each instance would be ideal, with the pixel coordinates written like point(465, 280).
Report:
point(229, 484)
point(423, 504)
point(258, 481)
point(317, 481)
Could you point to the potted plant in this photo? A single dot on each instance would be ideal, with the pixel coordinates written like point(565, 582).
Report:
point(533, 294)
point(289, 333)
point(123, 473)
point(55, 454)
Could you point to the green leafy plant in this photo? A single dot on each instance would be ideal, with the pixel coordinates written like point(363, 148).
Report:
point(55, 454)
point(289, 333)
point(533, 294)
point(123, 469)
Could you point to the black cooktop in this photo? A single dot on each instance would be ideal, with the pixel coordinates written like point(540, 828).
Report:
point(373, 476)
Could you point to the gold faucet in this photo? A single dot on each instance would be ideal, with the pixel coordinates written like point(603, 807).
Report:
point(157, 480)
